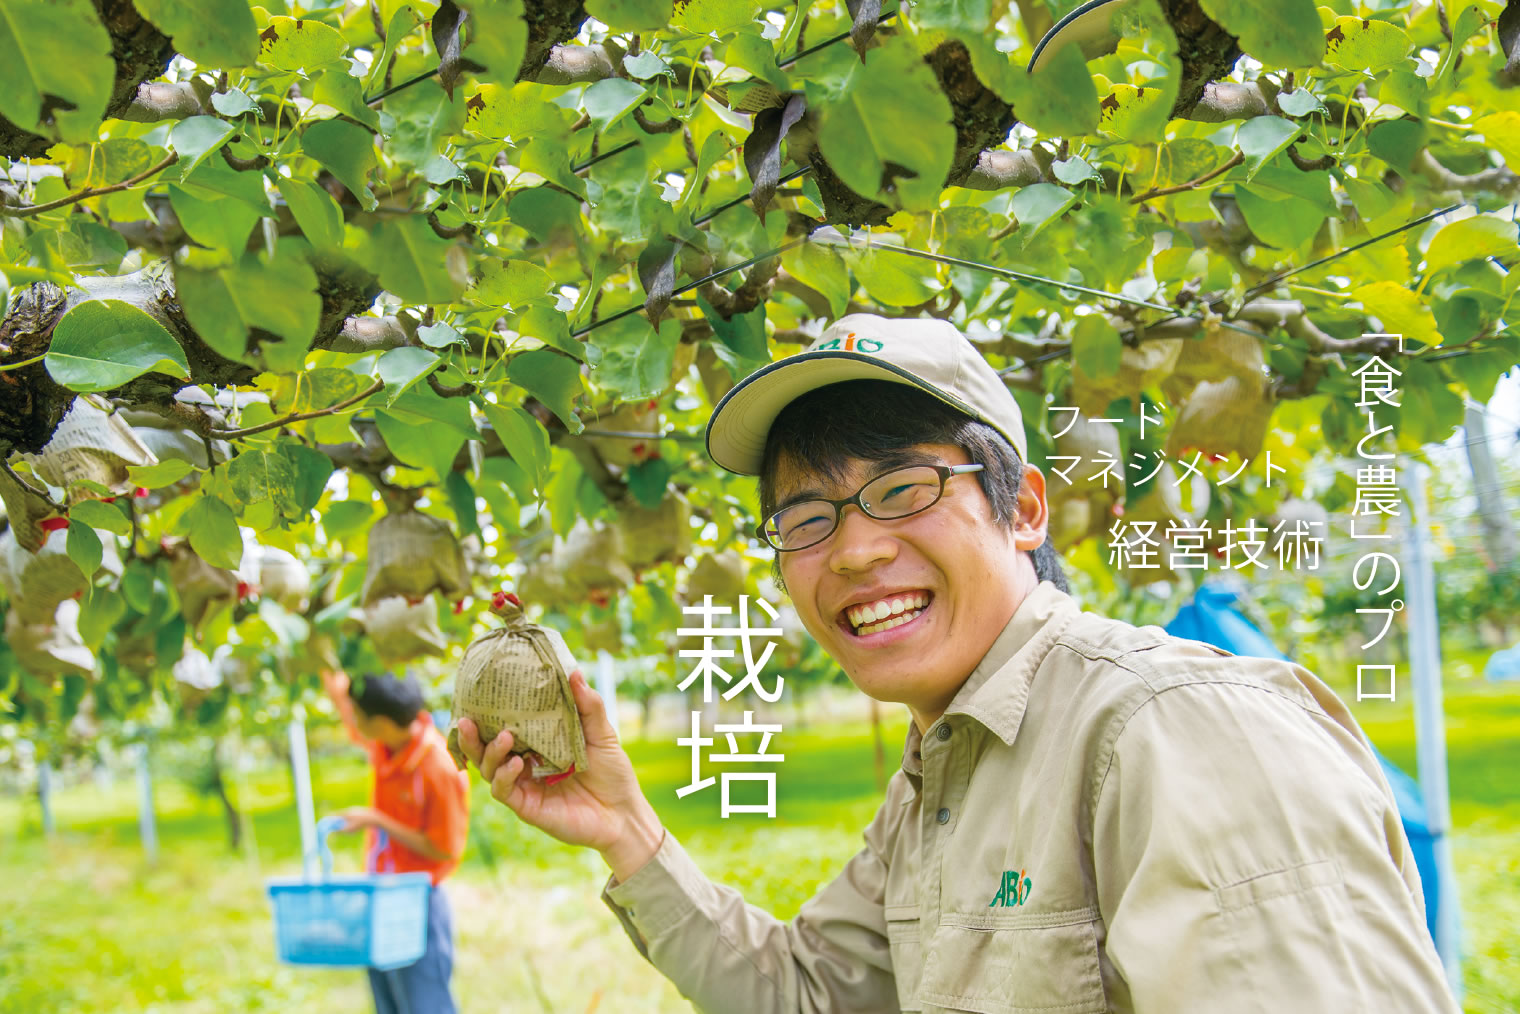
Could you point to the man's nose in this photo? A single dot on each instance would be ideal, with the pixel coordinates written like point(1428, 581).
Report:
point(860, 542)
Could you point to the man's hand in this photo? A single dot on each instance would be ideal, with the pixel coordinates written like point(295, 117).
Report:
point(357, 818)
point(335, 682)
point(601, 808)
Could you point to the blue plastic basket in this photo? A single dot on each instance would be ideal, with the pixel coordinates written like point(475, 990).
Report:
point(367, 920)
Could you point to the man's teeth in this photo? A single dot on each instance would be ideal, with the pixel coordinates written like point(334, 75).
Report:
point(884, 614)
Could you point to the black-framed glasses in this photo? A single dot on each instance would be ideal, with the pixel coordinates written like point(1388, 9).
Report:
point(891, 495)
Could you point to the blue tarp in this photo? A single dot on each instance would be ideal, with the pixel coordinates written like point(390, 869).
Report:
point(1212, 617)
point(1503, 665)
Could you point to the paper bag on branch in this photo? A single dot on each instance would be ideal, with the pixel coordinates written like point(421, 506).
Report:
point(283, 578)
point(92, 446)
point(37, 582)
point(410, 555)
point(657, 535)
point(631, 417)
point(590, 562)
point(203, 589)
point(1223, 417)
point(53, 648)
point(402, 630)
point(518, 678)
point(721, 575)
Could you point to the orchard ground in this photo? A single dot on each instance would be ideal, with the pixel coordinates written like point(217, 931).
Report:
point(87, 925)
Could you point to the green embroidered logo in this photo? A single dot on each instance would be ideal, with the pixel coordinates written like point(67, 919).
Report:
point(1014, 890)
point(849, 343)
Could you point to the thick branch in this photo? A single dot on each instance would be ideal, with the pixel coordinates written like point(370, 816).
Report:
point(1000, 169)
point(1500, 181)
point(371, 334)
point(88, 192)
point(1227, 100)
point(578, 65)
point(161, 100)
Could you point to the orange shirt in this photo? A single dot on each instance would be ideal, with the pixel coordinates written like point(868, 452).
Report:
point(419, 786)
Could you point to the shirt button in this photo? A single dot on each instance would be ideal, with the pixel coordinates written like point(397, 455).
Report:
point(944, 732)
point(944, 815)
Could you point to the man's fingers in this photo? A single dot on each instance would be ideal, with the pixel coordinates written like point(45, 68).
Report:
point(469, 741)
point(505, 779)
point(593, 710)
point(494, 755)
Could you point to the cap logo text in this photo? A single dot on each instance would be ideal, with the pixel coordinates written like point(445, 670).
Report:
point(850, 344)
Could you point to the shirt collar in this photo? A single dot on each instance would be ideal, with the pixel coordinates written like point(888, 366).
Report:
point(406, 759)
point(997, 691)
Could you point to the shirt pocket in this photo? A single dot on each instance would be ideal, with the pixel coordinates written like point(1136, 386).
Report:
point(1032, 962)
point(907, 953)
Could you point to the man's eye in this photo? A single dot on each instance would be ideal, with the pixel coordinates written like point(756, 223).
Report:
point(902, 490)
point(791, 526)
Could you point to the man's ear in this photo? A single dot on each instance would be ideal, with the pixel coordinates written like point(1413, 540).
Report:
point(1029, 528)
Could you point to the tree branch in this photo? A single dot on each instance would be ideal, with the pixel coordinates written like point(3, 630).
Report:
point(1498, 181)
point(88, 192)
point(299, 416)
point(577, 65)
point(998, 169)
point(1227, 100)
point(161, 100)
point(1233, 161)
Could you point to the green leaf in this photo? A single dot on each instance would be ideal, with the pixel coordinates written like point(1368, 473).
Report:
point(635, 360)
point(647, 481)
point(1300, 102)
point(425, 116)
point(279, 296)
point(1355, 43)
point(647, 64)
point(607, 100)
point(289, 44)
point(821, 270)
point(519, 112)
point(345, 518)
point(213, 532)
point(58, 50)
point(1096, 346)
point(1262, 137)
point(1399, 310)
point(1471, 239)
point(439, 170)
point(553, 379)
point(1278, 221)
point(264, 475)
point(511, 283)
point(957, 16)
point(1279, 33)
point(99, 514)
point(498, 36)
point(440, 336)
point(195, 138)
point(1060, 98)
point(1371, 198)
point(99, 611)
point(894, 279)
point(311, 469)
point(318, 215)
point(1397, 142)
point(420, 446)
point(462, 499)
point(1038, 205)
point(412, 261)
point(346, 150)
point(1502, 132)
point(213, 33)
point(859, 140)
point(103, 343)
point(631, 15)
point(551, 327)
point(403, 367)
point(84, 547)
point(337, 88)
point(233, 102)
point(713, 17)
point(165, 473)
point(212, 220)
point(523, 436)
point(1429, 410)
point(1074, 170)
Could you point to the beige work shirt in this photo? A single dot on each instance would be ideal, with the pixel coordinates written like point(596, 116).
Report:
point(1106, 818)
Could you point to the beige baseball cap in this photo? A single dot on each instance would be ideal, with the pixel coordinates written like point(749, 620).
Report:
point(926, 353)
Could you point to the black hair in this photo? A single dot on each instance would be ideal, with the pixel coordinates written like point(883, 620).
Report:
point(383, 695)
point(875, 420)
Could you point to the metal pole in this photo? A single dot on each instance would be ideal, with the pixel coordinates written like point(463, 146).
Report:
point(145, 824)
point(301, 771)
point(45, 796)
point(1429, 715)
point(606, 685)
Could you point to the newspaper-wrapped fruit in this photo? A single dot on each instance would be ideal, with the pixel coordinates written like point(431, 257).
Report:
point(518, 678)
point(37, 582)
point(91, 448)
point(1100, 464)
point(632, 417)
point(721, 575)
point(52, 648)
point(1223, 417)
point(1219, 352)
point(196, 677)
point(410, 555)
point(203, 589)
point(283, 578)
point(402, 630)
point(601, 631)
point(31, 514)
point(657, 535)
point(1140, 366)
point(591, 562)
point(543, 583)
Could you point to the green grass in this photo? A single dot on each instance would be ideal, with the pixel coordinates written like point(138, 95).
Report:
point(86, 925)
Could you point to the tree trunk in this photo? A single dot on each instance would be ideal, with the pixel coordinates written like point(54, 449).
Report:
point(219, 787)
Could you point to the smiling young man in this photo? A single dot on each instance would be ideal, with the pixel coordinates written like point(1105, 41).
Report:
point(1090, 816)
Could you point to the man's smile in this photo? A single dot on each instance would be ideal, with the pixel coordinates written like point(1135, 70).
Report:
point(886, 612)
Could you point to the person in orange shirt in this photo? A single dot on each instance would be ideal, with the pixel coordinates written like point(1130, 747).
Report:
point(417, 820)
